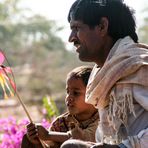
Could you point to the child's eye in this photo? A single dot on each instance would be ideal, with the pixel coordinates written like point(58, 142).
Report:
point(75, 93)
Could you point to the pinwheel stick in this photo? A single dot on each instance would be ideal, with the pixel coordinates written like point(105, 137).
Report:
point(27, 113)
point(24, 107)
point(21, 102)
point(3, 77)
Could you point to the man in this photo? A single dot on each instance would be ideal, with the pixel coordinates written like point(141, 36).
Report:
point(103, 31)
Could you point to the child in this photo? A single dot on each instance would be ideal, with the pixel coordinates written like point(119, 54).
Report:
point(80, 122)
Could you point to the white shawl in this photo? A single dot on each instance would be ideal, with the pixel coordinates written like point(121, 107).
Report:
point(126, 64)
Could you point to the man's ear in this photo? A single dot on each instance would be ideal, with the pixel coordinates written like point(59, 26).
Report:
point(103, 26)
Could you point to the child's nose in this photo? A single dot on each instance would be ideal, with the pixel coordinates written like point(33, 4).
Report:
point(70, 98)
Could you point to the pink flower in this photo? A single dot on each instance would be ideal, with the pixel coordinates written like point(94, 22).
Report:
point(12, 131)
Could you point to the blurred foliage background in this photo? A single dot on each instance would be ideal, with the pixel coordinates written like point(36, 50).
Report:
point(39, 57)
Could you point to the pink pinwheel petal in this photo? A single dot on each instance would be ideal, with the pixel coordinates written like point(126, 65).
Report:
point(2, 57)
point(8, 69)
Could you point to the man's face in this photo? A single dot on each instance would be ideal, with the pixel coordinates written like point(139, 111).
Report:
point(88, 41)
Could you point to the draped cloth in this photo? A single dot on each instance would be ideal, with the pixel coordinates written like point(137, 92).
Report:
point(111, 86)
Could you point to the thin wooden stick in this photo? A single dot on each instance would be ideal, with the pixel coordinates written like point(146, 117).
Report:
point(27, 113)
point(24, 107)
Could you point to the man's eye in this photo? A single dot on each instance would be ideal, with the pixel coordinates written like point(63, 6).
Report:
point(77, 28)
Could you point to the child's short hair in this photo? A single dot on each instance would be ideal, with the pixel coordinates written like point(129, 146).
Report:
point(82, 72)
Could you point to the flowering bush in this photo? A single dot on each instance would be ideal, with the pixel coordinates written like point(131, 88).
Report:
point(12, 131)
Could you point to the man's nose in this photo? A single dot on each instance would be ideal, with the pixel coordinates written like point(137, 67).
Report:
point(72, 37)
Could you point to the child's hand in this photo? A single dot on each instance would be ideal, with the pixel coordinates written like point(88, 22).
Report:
point(42, 133)
point(77, 133)
point(32, 133)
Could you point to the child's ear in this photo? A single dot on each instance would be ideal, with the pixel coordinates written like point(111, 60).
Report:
point(103, 26)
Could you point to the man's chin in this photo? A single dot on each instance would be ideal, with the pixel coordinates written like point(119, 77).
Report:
point(83, 59)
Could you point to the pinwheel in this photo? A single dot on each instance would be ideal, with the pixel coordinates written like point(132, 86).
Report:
point(7, 82)
point(8, 85)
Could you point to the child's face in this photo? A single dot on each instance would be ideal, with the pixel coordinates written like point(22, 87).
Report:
point(75, 98)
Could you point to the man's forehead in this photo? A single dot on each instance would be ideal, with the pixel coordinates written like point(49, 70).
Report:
point(76, 22)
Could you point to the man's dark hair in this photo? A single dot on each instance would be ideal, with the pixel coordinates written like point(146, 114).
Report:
point(120, 16)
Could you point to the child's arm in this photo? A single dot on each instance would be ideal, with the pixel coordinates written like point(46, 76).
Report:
point(32, 133)
point(35, 131)
point(46, 135)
